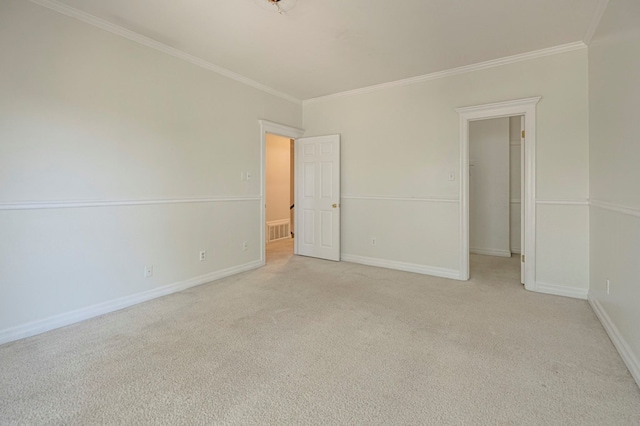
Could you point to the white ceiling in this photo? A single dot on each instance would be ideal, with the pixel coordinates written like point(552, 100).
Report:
point(322, 47)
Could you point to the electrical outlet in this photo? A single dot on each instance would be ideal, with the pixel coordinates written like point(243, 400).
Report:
point(608, 286)
point(248, 175)
point(203, 255)
point(452, 176)
point(245, 245)
point(148, 271)
point(373, 242)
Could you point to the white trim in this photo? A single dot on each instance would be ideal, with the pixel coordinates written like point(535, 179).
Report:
point(516, 250)
point(515, 201)
point(177, 53)
point(490, 252)
point(566, 202)
point(598, 13)
point(503, 109)
point(153, 44)
point(625, 351)
point(387, 198)
point(560, 290)
point(35, 205)
point(67, 318)
point(401, 266)
point(523, 107)
point(454, 71)
point(280, 130)
point(618, 208)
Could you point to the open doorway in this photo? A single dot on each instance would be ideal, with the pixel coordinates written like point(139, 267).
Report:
point(279, 196)
point(495, 189)
point(527, 109)
point(289, 133)
point(316, 189)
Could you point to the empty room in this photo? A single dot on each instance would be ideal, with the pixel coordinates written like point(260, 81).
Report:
point(319, 212)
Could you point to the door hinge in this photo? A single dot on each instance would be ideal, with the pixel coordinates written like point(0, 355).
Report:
point(522, 258)
point(523, 133)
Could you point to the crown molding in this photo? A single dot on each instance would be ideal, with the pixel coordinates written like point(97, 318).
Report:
point(454, 71)
point(595, 20)
point(153, 44)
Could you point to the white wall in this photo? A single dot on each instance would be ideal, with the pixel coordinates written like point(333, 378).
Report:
point(489, 187)
point(278, 177)
point(614, 89)
point(86, 115)
point(515, 150)
point(402, 142)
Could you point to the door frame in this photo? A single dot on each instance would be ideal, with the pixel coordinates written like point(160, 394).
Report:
point(280, 130)
point(527, 108)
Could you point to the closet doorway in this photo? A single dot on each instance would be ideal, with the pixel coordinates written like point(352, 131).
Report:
point(519, 107)
point(495, 187)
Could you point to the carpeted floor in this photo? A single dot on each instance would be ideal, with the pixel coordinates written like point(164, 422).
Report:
point(306, 341)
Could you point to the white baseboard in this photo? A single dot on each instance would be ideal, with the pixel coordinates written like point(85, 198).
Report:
point(559, 290)
point(490, 252)
point(402, 266)
point(619, 342)
point(68, 318)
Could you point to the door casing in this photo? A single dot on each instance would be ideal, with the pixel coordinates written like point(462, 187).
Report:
point(280, 130)
point(527, 108)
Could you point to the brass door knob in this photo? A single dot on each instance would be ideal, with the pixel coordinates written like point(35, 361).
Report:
point(335, 206)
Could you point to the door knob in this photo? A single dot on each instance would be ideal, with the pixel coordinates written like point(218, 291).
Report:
point(335, 206)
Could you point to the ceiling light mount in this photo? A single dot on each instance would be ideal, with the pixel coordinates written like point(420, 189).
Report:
point(276, 3)
point(279, 6)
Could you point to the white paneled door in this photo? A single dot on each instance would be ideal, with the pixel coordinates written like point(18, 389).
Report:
point(318, 197)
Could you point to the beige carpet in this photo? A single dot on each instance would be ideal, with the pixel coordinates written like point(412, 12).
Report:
point(305, 341)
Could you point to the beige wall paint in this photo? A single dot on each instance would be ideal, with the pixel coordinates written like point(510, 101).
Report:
point(404, 141)
point(278, 177)
point(86, 115)
point(614, 89)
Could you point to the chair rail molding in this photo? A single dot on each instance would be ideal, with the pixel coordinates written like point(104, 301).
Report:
point(434, 199)
point(564, 202)
point(618, 208)
point(60, 204)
